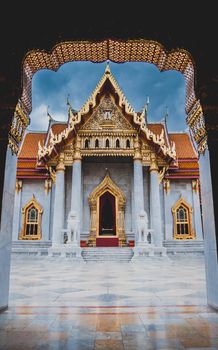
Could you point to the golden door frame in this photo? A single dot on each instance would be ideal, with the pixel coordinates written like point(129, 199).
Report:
point(107, 185)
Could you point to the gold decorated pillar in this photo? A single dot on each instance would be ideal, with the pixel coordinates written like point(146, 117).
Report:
point(93, 222)
point(59, 208)
point(137, 183)
point(155, 211)
point(76, 193)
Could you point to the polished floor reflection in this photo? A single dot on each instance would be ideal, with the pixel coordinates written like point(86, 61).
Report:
point(155, 304)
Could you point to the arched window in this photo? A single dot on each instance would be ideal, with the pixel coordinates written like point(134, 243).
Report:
point(182, 214)
point(31, 223)
point(107, 143)
point(128, 143)
point(96, 143)
point(117, 143)
point(86, 143)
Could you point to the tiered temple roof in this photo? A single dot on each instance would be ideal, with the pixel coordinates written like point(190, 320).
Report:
point(187, 158)
point(38, 147)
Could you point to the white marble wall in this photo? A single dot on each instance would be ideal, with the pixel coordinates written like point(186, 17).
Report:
point(6, 227)
point(17, 215)
point(210, 243)
point(122, 174)
point(36, 187)
point(178, 188)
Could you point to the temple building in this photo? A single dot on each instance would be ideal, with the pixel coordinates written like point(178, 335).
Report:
point(100, 172)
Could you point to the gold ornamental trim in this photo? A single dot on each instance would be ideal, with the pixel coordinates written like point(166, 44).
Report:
point(107, 185)
point(189, 213)
point(23, 235)
point(19, 124)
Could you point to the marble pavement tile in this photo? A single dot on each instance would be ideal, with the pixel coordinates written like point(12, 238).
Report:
point(108, 344)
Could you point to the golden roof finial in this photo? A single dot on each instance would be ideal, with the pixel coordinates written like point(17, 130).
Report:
point(107, 69)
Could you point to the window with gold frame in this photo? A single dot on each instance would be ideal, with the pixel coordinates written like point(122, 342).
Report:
point(182, 217)
point(31, 221)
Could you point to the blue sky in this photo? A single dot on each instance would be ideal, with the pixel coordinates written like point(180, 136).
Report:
point(137, 81)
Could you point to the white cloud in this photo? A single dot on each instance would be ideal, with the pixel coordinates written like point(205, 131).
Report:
point(59, 116)
point(38, 118)
point(136, 80)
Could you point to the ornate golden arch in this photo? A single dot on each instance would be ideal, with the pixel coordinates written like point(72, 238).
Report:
point(182, 202)
point(117, 51)
point(107, 185)
point(31, 203)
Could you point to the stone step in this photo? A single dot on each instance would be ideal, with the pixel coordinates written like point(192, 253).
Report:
point(189, 242)
point(184, 246)
point(30, 244)
point(107, 254)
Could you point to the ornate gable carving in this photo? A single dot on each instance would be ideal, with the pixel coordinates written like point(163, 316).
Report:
point(107, 117)
point(107, 120)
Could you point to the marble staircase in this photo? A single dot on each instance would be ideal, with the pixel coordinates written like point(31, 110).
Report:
point(101, 254)
point(174, 247)
point(122, 254)
point(30, 248)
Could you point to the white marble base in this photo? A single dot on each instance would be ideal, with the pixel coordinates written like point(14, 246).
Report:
point(66, 251)
point(142, 250)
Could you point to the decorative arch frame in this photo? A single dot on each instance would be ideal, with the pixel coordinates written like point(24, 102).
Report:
point(25, 209)
point(107, 185)
point(139, 50)
point(189, 212)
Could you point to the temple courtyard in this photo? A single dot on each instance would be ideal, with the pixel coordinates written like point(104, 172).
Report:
point(155, 303)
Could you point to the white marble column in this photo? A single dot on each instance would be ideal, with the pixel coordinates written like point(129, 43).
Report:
point(197, 211)
point(77, 180)
point(76, 193)
point(138, 179)
point(58, 216)
point(209, 228)
point(138, 187)
point(17, 211)
point(76, 187)
point(47, 209)
point(6, 226)
point(155, 212)
point(168, 222)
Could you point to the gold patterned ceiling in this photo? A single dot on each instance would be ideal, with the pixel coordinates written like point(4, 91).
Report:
point(113, 50)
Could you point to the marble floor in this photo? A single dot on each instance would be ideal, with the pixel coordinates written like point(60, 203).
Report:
point(153, 304)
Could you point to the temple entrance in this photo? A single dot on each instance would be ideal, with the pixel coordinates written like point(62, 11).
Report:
point(107, 206)
point(107, 215)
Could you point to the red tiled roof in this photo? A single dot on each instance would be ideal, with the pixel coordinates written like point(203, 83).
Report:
point(157, 129)
point(188, 165)
point(184, 147)
point(57, 128)
point(187, 158)
point(29, 147)
point(26, 163)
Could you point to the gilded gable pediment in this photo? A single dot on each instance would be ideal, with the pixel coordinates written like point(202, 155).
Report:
point(107, 116)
